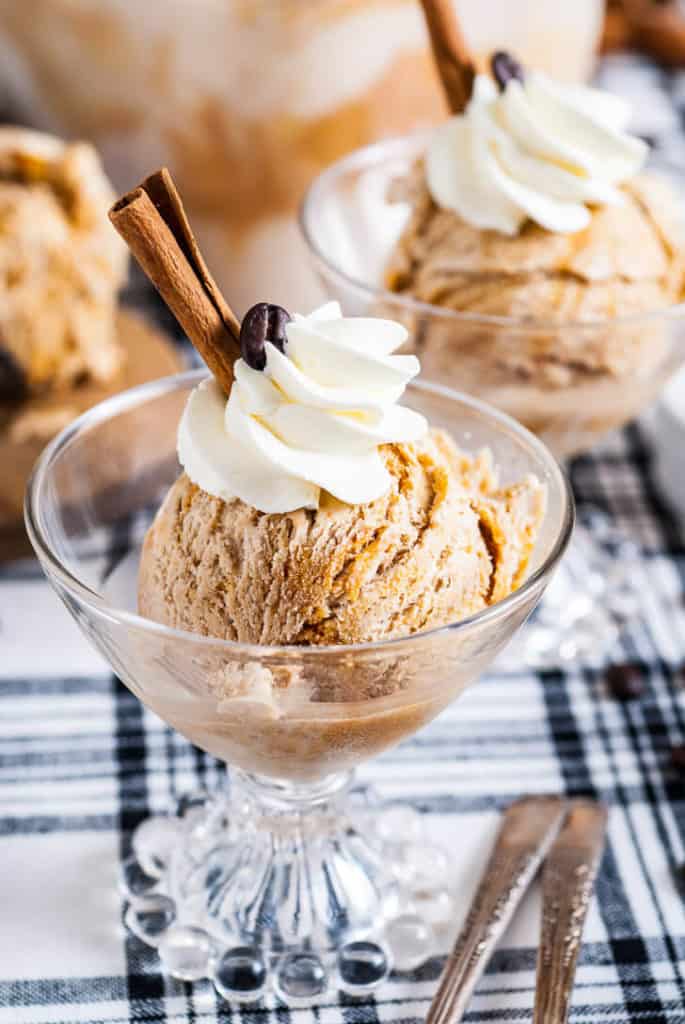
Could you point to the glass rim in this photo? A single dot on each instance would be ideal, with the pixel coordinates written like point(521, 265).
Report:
point(133, 397)
point(378, 152)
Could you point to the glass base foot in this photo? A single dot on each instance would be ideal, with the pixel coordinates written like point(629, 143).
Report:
point(588, 603)
point(290, 888)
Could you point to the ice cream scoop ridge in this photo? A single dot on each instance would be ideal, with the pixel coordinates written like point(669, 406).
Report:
point(312, 420)
point(536, 150)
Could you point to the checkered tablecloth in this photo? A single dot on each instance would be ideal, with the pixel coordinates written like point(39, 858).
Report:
point(82, 763)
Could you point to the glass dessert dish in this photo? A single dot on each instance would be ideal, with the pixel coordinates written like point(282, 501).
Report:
point(530, 369)
point(291, 875)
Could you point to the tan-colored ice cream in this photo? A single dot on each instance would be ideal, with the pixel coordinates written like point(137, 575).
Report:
point(630, 259)
point(63, 344)
point(441, 544)
point(314, 509)
point(530, 216)
point(61, 266)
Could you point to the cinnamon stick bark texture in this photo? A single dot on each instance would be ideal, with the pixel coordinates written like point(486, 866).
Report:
point(659, 30)
point(162, 191)
point(153, 223)
point(451, 54)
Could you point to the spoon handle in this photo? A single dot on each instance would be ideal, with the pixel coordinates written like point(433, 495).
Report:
point(527, 832)
point(568, 879)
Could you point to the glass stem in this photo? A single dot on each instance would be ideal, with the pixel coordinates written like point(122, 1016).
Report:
point(276, 797)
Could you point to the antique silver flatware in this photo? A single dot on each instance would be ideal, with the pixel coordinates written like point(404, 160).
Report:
point(526, 834)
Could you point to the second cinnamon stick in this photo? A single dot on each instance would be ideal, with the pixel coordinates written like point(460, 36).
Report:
point(451, 54)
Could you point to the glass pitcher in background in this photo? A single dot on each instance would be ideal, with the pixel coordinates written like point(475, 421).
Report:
point(246, 100)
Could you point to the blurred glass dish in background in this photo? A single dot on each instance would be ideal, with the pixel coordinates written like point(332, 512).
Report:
point(351, 223)
point(247, 100)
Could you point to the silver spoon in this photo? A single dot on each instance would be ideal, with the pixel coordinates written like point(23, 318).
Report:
point(526, 834)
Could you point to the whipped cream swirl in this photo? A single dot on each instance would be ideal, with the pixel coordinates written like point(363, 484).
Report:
point(538, 150)
point(312, 420)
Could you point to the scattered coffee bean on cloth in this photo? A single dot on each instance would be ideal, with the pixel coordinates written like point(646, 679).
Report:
point(625, 681)
point(678, 759)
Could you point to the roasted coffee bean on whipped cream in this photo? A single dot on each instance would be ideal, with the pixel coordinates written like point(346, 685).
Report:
point(505, 69)
point(263, 322)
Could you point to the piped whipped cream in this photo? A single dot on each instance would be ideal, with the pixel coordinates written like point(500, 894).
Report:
point(537, 150)
point(312, 420)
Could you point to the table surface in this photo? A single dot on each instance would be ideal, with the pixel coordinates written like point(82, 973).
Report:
point(82, 763)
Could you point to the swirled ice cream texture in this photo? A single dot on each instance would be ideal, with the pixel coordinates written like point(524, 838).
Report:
point(312, 420)
point(446, 540)
point(538, 150)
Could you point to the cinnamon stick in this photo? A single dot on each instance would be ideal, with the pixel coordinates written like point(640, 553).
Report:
point(617, 33)
point(658, 30)
point(450, 52)
point(154, 225)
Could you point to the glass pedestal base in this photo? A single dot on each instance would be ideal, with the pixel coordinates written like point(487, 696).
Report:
point(293, 887)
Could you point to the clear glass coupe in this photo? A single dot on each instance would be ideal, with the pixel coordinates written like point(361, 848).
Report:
point(291, 875)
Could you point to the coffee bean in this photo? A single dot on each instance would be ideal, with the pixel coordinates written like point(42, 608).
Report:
point(263, 322)
point(625, 681)
point(13, 384)
point(678, 759)
point(505, 69)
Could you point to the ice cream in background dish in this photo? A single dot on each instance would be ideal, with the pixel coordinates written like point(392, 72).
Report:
point(314, 509)
point(61, 266)
point(65, 344)
point(530, 204)
point(531, 214)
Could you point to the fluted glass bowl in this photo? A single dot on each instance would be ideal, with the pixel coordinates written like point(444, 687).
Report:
point(351, 222)
point(292, 722)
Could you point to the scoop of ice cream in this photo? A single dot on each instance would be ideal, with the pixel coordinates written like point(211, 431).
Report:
point(529, 209)
point(61, 264)
point(442, 543)
point(535, 150)
point(630, 259)
point(314, 417)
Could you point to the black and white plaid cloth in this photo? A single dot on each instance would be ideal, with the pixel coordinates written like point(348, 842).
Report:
point(82, 763)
